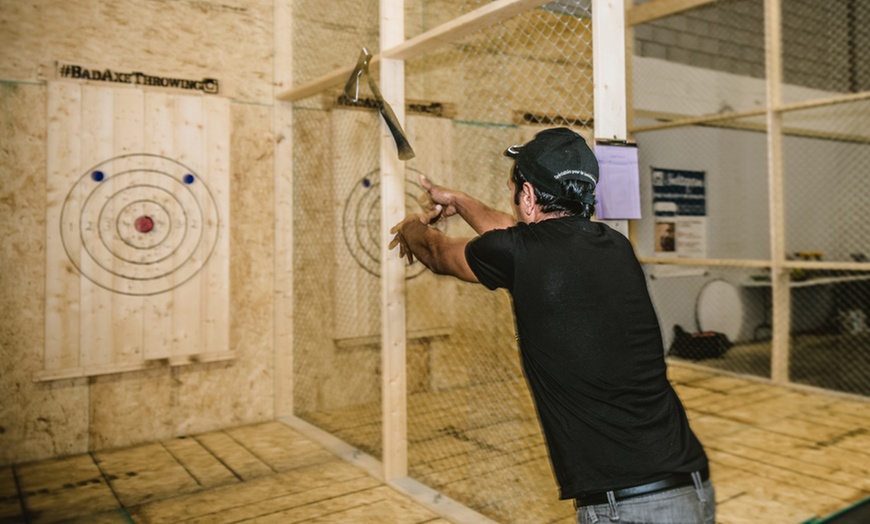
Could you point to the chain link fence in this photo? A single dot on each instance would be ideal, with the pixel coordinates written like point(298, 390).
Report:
point(700, 117)
point(473, 433)
point(701, 105)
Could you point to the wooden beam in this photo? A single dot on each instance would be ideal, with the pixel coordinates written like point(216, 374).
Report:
point(677, 120)
point(633, 225)
point(827, 266)
point(479, 19)
point(608, 59)
point(673, 120)
point(282, 130)
point(112, 368)
point(460, 27)
point(705, 262)
point(394, 401)
point(659, 9)
point(608, 48)
point(780, 274)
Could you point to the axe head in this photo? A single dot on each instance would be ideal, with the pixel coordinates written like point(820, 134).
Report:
point(351, 89)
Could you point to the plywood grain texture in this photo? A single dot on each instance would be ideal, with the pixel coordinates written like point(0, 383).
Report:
point(37, 420)
point(64, 488)
point(230, 42)
point(177, 174)
point(207, 396)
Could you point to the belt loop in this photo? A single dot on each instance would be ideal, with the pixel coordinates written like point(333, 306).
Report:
point(591, 515)
point(614, 512)
point(699, 487)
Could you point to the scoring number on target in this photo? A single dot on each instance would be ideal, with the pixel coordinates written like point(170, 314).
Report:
point(139, 224)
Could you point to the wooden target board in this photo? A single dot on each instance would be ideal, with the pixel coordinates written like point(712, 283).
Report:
point(137, 230)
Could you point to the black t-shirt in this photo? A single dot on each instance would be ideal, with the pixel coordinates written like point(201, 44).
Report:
point(592, 353)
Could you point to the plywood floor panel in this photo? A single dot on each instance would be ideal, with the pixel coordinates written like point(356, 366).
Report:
point(203, 466)
point(287, 505)
point(64, 488)
point(234, 455)
point(278, 446)
point(250, 494)
point(787, 479)
point(144, 473)
point(10, 506)
point(777, 455)
point(375, 505)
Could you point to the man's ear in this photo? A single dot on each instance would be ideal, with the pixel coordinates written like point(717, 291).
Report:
point(528, 198)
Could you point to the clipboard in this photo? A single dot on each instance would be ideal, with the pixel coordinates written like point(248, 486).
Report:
point(618, 189)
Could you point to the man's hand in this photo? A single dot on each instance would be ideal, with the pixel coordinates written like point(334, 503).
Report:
point(442, 196)
point(425, 218)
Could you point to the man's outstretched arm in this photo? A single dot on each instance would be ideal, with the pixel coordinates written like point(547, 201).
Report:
point(438, 252)
point(478, 215)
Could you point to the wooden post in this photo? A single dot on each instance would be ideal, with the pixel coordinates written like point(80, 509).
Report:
point(608, 61)
point(781, 296)
point(633, 225)
point(393, 387)
point(282, 131)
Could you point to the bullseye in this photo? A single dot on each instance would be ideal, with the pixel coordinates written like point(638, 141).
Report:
point(144, 224)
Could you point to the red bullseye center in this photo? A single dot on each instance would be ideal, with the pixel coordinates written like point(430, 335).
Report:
point(144, 224)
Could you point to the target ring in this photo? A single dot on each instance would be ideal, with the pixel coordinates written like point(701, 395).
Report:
point(361, 221)
point(139, 224)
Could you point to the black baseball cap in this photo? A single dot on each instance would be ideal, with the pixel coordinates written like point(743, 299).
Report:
point(555, 155)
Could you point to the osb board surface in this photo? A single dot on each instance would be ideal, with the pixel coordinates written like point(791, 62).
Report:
point(200, 397)
point(154, 483)
point(191, 39)
point(776, 454)
point(758, 472)
point(71, 416)
point(37, 420)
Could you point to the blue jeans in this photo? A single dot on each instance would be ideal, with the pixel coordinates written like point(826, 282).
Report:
point(685, 505)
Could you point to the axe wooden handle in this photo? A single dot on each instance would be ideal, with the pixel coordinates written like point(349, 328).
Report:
point(351, 90)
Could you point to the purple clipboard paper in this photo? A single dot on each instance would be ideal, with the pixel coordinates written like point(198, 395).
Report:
point(618, 190)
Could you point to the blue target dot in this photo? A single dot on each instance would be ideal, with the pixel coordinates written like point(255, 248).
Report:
point(189, 179)
point(366, 182)
point(98, 176)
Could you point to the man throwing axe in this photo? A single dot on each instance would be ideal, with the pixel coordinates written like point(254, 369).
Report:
point(619, 441)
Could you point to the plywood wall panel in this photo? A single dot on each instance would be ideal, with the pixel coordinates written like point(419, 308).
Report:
point(130, 408)
point(165, 403)
point(128, 136)
point(231, 42)
point(313, 256)
point(217, 272)
point(166, 179)
point(37, 420)
point(356, 194)
point(189, 149)
point(96, 131)
point(62, 295)
point(159, 139)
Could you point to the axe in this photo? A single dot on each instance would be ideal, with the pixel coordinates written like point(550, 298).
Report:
point(351, 90)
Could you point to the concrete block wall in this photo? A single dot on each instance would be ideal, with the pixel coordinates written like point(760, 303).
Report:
point(825, 44)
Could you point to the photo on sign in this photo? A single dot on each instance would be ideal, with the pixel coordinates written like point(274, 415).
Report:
point(680, 209)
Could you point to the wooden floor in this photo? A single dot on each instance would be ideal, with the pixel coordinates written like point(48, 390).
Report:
point(777, 455)
point(266, 472)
